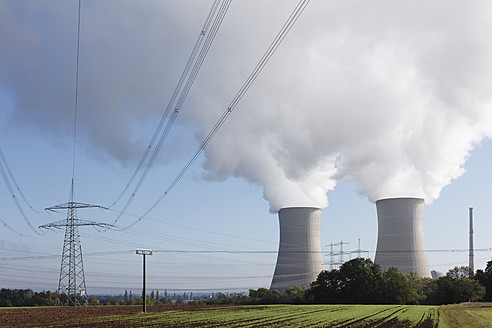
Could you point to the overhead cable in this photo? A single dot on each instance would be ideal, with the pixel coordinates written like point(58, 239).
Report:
point(9, 172)
point(197, 57)
point(4, 175)
point(11, 229)
point(242, 91)
point(195, 229)
point(76, 100)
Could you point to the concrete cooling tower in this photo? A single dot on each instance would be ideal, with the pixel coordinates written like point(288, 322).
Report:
point(401, 235)
point(299, 259)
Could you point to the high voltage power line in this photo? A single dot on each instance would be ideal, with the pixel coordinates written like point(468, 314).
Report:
point(163, 134)
point(182, 96)
point(172, 237)
point(4, 167)
point(167, 281)
point(294, 16)
point(202, 46)
point(12, 229)
point(72, 279)
point(191, 228)
point(5, 172)
point(221, 251)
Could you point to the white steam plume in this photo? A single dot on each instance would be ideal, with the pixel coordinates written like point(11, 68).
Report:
point(392, 95)
point(398, 92)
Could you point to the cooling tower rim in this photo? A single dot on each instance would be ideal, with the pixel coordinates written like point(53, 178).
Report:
point(400, 198)
point(300, 207)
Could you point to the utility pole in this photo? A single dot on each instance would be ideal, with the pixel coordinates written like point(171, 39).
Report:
point(144, 252)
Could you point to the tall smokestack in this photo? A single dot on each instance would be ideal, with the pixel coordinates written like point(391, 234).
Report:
point(471, 262)
point(299, 259)
point(401, 235)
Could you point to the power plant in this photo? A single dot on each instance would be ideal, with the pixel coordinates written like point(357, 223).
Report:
point(299, 259)
point(401, 235)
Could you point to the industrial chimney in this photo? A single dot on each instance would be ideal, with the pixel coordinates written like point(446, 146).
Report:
point(471, 261)
point(401, 235)
point(299, 259)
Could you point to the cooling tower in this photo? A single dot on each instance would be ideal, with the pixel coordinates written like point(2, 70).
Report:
point(299, 259)
point(401, 235)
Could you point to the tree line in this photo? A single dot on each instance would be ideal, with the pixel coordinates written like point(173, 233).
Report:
point(26, 297)
point(358, 281)
point(361, 281)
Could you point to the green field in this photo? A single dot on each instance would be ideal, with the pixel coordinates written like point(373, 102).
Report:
point(465, 315)
point(273, 316)
point(468, 315)
point(304, 316)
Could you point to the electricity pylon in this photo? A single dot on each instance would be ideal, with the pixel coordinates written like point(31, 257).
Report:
point(359, 251)
point(340, 254)
point(72, 278)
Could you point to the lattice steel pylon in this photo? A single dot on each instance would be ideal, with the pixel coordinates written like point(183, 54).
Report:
point(71, 284)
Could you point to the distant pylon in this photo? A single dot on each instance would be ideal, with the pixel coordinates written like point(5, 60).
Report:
point(359, 251)
point(332, 257)
point(72, 279)
point(341, 253)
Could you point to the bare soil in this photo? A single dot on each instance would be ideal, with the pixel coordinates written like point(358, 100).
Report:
point(72, 316)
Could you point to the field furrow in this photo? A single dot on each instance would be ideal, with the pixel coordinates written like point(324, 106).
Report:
point(248, 316)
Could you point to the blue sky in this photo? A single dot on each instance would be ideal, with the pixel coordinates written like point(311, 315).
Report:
point(320, 113)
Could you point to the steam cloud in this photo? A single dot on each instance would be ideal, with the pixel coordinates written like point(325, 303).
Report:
point(394, 94)
point(391, 95)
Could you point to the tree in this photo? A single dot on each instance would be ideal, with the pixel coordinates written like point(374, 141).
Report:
point(459, 273)
point(152, 296)
point(449, 289)
point(296, 295)
point(357, 281)
point(485, 278)
point(469, 290)
point(264, 296)
point(26, 297)
point(140, 301)
point(326, 288)
point(44, 298)
point(361, 281)
point(130, 299)
point(400, 287)
point(125, 298)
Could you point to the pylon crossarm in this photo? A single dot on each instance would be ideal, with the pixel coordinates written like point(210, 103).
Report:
point(70, 205)
point(63, 223)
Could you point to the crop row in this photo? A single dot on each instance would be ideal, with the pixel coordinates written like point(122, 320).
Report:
point(341, 316)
